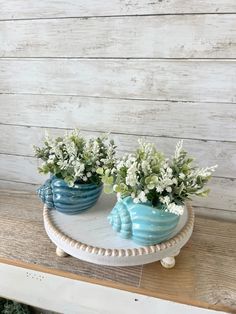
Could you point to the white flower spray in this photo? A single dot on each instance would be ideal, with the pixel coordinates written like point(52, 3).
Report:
point(74, 159)
point(148, 176)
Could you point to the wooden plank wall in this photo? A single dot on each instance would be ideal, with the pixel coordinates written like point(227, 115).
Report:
point(159, 69)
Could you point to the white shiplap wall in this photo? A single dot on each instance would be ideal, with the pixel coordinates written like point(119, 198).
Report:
point(160, 69)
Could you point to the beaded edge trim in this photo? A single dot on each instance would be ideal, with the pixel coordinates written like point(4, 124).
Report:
point(188, 227)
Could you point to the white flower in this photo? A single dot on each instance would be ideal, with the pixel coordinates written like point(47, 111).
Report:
point(159, 189)
point(85, 178)
point(131, 178)
point(168, 189)
point(175, 209)
point(165, 200)
point(174, 181)
point(89, 174)
point(142, 197)
point(118, 195)
point(52, 157)
point(204, 172)
point(182, 175)
point(136, 200)
point(178, 149)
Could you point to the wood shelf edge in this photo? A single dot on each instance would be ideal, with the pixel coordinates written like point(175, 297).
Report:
point(114, 285)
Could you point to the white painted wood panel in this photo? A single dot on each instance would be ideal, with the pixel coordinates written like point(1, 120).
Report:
point(165, 36)
point(222, 195)
point(213, 121)
point(163, 99)
point(20, 169)
point(24, 169)
point(19, 9)
point(198, 80)
point(6, 185)
point(19, 140)
point(70, 296)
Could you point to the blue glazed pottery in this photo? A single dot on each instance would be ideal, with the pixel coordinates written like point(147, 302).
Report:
point(143, 223)
point(55, 193)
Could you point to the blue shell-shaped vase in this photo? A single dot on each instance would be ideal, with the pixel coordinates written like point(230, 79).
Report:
point(55, 193)
point(143, 223)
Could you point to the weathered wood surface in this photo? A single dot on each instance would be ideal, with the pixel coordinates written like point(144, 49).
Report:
point(208, 249)
point(27, 173)
point(182, 80)
point(189, 36)
point(193, 120)
point(19, 140)
point(20, 9)
point(22, 227)
point(213, 213)
point(205, 269)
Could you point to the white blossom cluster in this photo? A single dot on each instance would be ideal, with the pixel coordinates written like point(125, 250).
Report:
point(74, 159)
point(148, 176)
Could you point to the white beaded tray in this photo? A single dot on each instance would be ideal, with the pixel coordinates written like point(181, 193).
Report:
point(89, 237)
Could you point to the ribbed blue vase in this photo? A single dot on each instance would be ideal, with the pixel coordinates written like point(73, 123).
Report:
point(55, 193)
point(143, 223)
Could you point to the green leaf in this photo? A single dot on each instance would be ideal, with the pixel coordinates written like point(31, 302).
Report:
point(203, 193)
point(108, 189)
point(100, 171)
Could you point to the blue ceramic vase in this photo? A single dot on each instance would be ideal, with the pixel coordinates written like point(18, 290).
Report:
point(143, 223)
point(55, 193)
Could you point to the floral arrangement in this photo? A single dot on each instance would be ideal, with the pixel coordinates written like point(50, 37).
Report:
point(76, 160)
point(149, 177)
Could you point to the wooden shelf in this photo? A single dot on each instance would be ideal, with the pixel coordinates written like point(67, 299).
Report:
point(204, 275)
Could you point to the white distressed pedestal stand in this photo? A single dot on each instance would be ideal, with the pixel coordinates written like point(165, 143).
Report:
point(89, 237)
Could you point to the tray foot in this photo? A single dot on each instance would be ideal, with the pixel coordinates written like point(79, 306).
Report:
point(168, 262)
point(60, 252)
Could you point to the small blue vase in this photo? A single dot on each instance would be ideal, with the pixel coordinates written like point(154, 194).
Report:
point(55, 193)
point(143, 223)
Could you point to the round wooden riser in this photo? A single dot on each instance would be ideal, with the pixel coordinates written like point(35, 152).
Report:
point(89, 237)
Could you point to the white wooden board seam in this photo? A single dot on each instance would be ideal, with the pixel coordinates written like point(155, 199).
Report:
point(115, 16)
point(118, 98)
point(15, 9)
point(112, 133)
point(117, 58)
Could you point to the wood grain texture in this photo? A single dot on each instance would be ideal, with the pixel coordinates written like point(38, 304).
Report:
point(211, 247)
point(117, 53)
point(212, 213)
point(19, 140)
point(222, 195)
point(24, 169)
point(20, 9)
point(194, 120)
point(6, 185)
point(189, 36)
point(22, 225)
point(198, 80)
point(205, 269)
